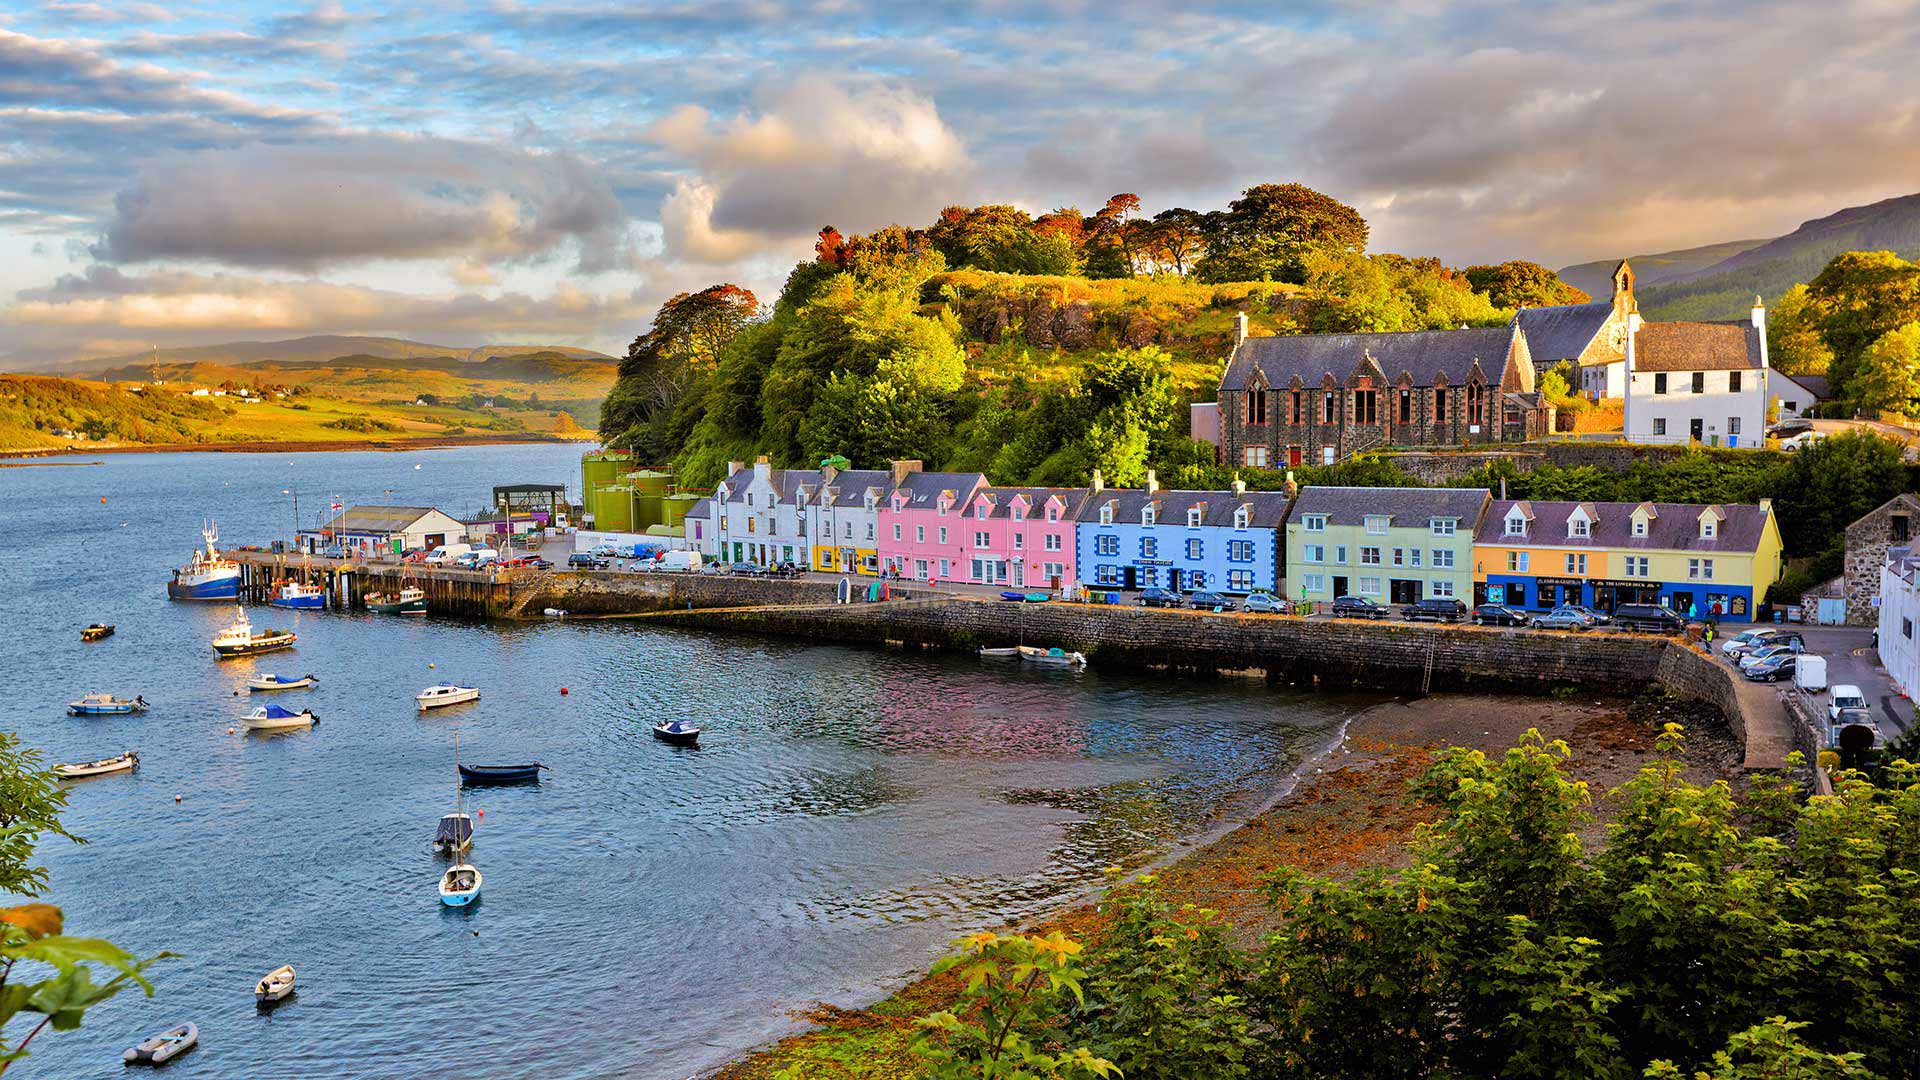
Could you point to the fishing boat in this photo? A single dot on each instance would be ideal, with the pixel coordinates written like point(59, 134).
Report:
point(96, 631)
point(499, 774)
point(106, 705)
point(274, 987)
point(444, 694)
point(163, 1047)
point(208, 575)
point(1052, 657)
point(270, 681)
point(239, 639)
point(411, 600)
point(1001, 652)
point(677, 732)
point(292, 594)
point(126, 762)
point(460, 885)
point(275, 718)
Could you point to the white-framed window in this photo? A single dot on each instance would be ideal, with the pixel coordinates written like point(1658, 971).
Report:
point(980, 510)
point(981, 539)
point(1637, 566)
point(1313, 582)
point(1640, 526)
point(1149, 547)
point(1256, 456)
point(1106, 545)
point(1314, 553)
point(1193, 517)
point(1239, 551)
point(920, 569)
point(1194, 549)
point(1106, 575)
point(1733, 422)
point(1148, 515)
point(1340, 554)
point(896, 531)
point(1106, 514)
point(1708, 528)
point(1054, 570)
point(1369, 556)
point(1660, 422)
point(919, 534)
point(1441, 587)
point(1240, 580)
point(1019, 541)
point(846, 530)
point(1516, 525)
point(946, 569)
point(1053, 513)
point(1377, 524)
point(1576, 562)
point(1017, 512)
point(1577, 528)
point(1699, 569)
point(1241, 518)
point(1444, 526)
point(1369, 586)
point(943, 534)
point(1443, 558)
point(1314, 523)
point(1517, 562)
point(1399, 556)
point(1052, 541)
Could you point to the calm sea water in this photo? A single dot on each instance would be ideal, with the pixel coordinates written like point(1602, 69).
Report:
point(648, 912)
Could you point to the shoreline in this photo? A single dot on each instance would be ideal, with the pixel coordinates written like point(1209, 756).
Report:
point(269, 446)
point(1341, 811)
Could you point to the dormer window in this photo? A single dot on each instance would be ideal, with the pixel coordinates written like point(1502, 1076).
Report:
point(1018, 511)
point(1377, 524)
point(1106, 514)
point(1241, 518)
point(1314, 522)
point(1147, 515)
point(1193, 517)
point(1708, 528)
point(1516, 525)
point(1639, 526)
point(1577, 528)
point(1053, 513)
point(980, 510)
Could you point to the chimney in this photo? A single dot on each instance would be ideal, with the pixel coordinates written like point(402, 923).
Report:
point(1153, 483)
point(904, 469)
point(1291, 487)
point(735, 466)
point(1239, 485)
point(1239, 329)
point(1760, 324)
point(1099, 484)
point(1503, 490)
point(762, 468)
point(827, 473)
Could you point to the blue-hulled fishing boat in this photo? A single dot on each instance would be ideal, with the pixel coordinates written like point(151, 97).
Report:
point(106, 705)
point(292, 594)
point(209, 575)
point(270, 681)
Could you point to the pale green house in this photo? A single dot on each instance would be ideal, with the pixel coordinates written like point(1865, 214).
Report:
point(1389, 545)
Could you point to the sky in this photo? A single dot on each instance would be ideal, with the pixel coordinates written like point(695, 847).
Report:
point(522, 172)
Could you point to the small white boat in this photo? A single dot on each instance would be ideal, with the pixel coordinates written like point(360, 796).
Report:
point(126, 762)
point(163, 1047)
point(1052, 657)
point(270, 681)
point(106, 705)
point(1000, 653)
point(274, 986)
point(556, 613)
point(275, 718)
point(435, 697)
point(455, 834)
point(460, 885)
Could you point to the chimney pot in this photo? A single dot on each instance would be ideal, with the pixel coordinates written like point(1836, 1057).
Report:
point(1239, 485)
point(1153, 482)
point(904, 469)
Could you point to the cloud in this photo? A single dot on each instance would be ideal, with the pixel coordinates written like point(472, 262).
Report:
point(104, 15)
point(814, 154)
point(51, 74)
point(355, 198)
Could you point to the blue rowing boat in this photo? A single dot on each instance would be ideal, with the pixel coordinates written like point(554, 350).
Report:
point(499, 774)
point(105, 705)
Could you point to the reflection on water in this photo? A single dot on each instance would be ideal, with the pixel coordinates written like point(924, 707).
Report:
point(849, 812)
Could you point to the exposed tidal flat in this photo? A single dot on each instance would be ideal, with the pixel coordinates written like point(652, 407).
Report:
point(648, 911)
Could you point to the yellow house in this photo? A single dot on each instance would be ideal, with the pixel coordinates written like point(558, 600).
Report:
point(1700, 561)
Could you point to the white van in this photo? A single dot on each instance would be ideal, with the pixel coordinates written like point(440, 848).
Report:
point(1810, 673)
point(678, 562)
point(1845, 696)
point(484, 555)
point(446, 553)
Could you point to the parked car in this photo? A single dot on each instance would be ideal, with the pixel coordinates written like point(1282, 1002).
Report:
point(1499, 615)
point(1438, 608)
point(333, 551)
point(1155, 597)
point(1837, 734)
point(1748, 642)
point(1648, 617)
point(585, 560)
point(1845, 696)
point(746, 569)
point(1562, 618)
point(1265, 603)
point(1594, 618)
point(1772, 668)
point(1758, 656)
point(1358, 607)
point(605, 551)
point(1207, 600)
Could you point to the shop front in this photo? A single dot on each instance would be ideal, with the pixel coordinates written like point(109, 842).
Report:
point(1551, 592)
point(1513, 590)
point(1608, 595)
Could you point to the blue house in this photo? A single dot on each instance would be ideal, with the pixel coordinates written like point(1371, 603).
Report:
point(1228, 541)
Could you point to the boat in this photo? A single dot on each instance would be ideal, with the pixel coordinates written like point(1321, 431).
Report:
point(499, 774)
point(106, 705)
point(1037, 598)
point(1052, 657)
point(677, 732)
point(126, 762)
point(275, 718)
point(454, 834)
point(270, 681)
point(411, 600)
point(274, 987)
point(444, 694)
point(208, 575)
point(96, 631)
point(1003, 652)
point(163, 1047)
point(239, 639)
point(556, 613)
point(460, 885)
point(292, 594)
point(1014, 596)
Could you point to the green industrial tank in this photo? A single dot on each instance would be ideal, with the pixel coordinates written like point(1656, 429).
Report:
point(650, 487)
point(676, 507)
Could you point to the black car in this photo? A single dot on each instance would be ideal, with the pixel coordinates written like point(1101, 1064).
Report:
point(1205, 600)
point(1358, 607)
point(1648, 617)
point(1151, 597)
point(1499, 615)
point(1437, 608)
point(746, 569)
point(581, 560)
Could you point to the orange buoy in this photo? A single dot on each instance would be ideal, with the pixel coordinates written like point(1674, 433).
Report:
point(103, 499)
point(563, 691)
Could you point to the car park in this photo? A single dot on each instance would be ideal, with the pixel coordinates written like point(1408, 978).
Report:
point(1155, 597)
point(1206, 600)
point(1265, 603)
point(1499, 615)
point(1746, 639)
point(1648, 617)
point(1357, 607)
point(1562, 618)
point(1845, 696)
point(1437, 608)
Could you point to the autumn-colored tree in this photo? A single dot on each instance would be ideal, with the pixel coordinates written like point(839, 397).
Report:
point(1176, 239)
point(1518, 283)
point(832, 248)
point(1268, 233)
point(1110, 243)
point(1065, 222)
point(688, 333)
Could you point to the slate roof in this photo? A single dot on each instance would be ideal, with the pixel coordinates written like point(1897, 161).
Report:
point(1405, 508)
point(923, 488)
point(1424, 354)
point(1269, 507)
point(1812, 384)
point(701, 509)
point(1696, 346)
point(1072, 499)
point(784, 481)
point(377, 519)
point(1675, 527)
point(850, 487)
point(1562, 332)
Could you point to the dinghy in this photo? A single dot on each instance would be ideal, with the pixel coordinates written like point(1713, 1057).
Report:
point(105, 705)
point(677, 732)
point(499, 774)
point(274, 987)
point(96, 631)
point(1014, 596)
point(1006, 652)
point(435, 697)
point(275, 718)
point(454, 835)
point(1052, 657)
point(163, 1047)
point(270, 681)
point(126, 762)
point(460, 885)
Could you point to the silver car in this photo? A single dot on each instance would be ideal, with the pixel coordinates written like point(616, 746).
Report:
point(1562, 618)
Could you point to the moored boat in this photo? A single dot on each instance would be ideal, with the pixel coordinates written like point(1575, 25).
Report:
point(96, 631)
point(677, 732)
point(208, 575)
point(270, 681)
point(1009, 594)
point(274, 987)
point(292, 594)
point(163, 1047)
point(499, 774)
point(1000, 652)
point(444, 694)
point(411, 600)
point(1052, 657)
point(126, 762)
point(275, 718)
point(106, 705)
point(454, 834)
point(239, 639)
point(460, 885)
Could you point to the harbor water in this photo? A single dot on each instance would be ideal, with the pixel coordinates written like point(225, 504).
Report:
point(648, 911)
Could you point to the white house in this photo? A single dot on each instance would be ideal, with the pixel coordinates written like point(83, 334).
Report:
point(1697, 381)
point(1796, 394)
point(1899, 611)
point(699, 527)
point(363, 530)
point(757, 513)
point(845, 518)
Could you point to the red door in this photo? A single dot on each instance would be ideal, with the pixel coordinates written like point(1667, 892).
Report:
point(1293, 455)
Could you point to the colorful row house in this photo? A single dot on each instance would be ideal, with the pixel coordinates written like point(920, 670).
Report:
point(922, 532)
point(845, 519)
point(1022, 537)
point(1388, 545)
point(1227, 541)
point(1700, 561)
point(759, 515)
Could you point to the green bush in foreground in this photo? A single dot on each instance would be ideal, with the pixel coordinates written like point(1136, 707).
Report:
point(1706, 937)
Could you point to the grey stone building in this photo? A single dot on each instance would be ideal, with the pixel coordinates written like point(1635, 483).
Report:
point(1888, 526)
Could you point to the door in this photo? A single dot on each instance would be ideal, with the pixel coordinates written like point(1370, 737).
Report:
point(1683, 604)
point(1131, 575)
point(1293, 455)
point(1695, 429)
point(1404, 591)
point(1339, 587)
point(1019, 575)
point(1831, 611)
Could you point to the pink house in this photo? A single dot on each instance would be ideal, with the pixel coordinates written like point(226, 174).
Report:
point(923, 534)
point(1022, 537)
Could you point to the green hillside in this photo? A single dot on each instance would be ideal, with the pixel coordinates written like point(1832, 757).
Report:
point(1596, 277)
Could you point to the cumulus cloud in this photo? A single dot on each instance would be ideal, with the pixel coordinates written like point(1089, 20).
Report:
point(354, 198)
point(815, 153)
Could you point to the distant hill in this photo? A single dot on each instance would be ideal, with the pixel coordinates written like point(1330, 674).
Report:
point(1596, 278)
point(311, 349)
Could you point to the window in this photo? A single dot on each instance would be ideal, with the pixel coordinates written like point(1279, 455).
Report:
point(980, 511)
point(1637, 566)
point(920, 569)
point(1106, 575)
point(1256, 406)
point(1733, 382)
point(1369, 586)
point(1052, 542)
point(1660, 382)
point(1149, 547)
point(1242, 518)
point(1295, 395)
point(919, 534)
point(1439, 404)
point(1443, 558)
point(1363, 407)
point(1019, 541)
point(1054, 571)
point(1400, 556)
point(1577, 527)
point(1313, 582)
point(946, 568)
point(1476, 408)
point(1327, 407)
point(1639, 526)
point(753, 524)
point(943, 534)
point(1405, 407)
point(1444, 526)
point(1256, 457)
point(1106, 545)
point(1017, 512)
point(1053, 513)
point(1906, 628)
point(1106, 514)
point(896, 532)
point(1149, 515)
point(1733, 425)
point(981, 539)
point(869, 530)
point(1193, 517)
point(1699, 382)
point(1369, 556)
point(1659, 425)
point(1576, 563)
point(1516, 525)
point(1314, 523)
point(1517, 562)
point(749, 499)
point(1377, 524)
point(1897, 527)
point(1240, 580)
point(846, 530)
point(1239, 551)
point(1194, 548)
point(1441, 587)
point(1314, 553)
point(1707, 528)
point(1340, 554)
point(1699, 569)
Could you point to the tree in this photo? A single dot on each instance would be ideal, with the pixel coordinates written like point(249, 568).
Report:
point(1268, 233)
point(1554, 384)
point(1176, 239)
point(1110, 243)
point(1858, 297)
point(688, 334)
point(1001, 238)
point(1830, 484)
point(1518, 283)
point(1794, 344)
point(1888, 377)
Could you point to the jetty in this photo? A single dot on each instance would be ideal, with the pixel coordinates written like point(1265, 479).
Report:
point(485, 593)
